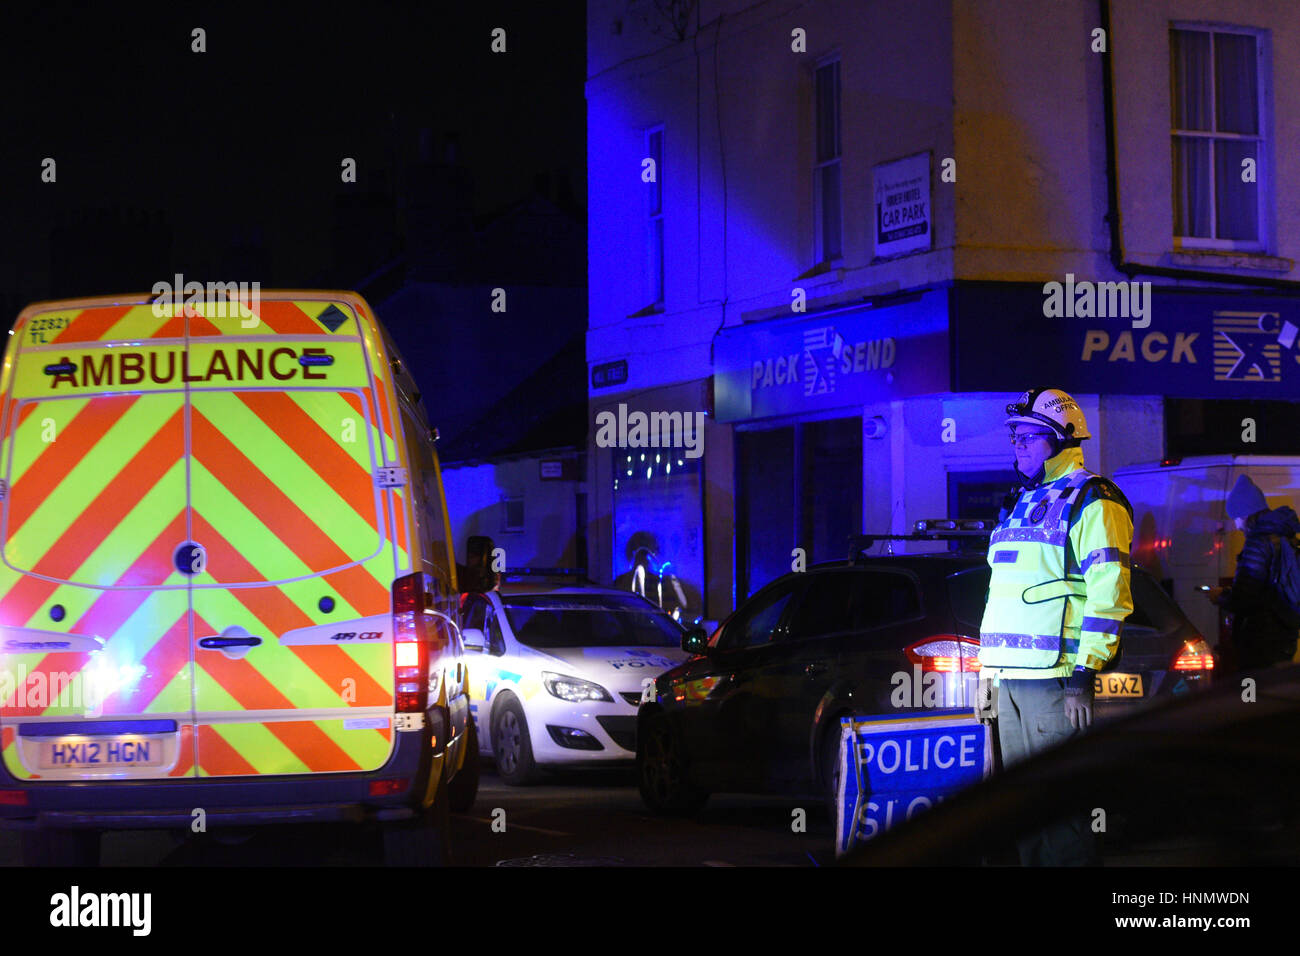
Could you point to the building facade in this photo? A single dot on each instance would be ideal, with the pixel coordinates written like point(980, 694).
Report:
point(847, 235)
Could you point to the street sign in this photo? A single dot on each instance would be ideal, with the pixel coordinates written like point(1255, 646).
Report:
point(609, 374)
point(892, 768)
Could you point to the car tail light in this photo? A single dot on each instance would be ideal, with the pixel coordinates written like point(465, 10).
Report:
point(945, 653)
point(417, 640)
point(385, 788)
point(1195, 656)
point(13, 798)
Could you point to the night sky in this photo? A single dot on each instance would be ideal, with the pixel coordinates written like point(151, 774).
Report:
point(230, 159)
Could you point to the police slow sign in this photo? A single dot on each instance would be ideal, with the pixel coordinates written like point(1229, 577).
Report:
point(894, 768)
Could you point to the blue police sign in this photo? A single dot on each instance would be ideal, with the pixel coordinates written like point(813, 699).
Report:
point(892, 768)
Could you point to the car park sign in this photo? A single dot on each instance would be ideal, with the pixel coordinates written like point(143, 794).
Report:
point(892, 768)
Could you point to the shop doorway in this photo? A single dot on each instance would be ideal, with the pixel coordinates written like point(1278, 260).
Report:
point(797, 486)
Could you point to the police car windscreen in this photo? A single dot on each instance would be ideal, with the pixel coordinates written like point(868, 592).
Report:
point(577, 621)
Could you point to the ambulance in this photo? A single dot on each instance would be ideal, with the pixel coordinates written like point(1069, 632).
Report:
point(1182, 534)
point(227, 587)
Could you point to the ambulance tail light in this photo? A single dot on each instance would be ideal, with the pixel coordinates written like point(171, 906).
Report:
point(945, 653)
point(13, 798)
point(413, 631)
point(1196, 655)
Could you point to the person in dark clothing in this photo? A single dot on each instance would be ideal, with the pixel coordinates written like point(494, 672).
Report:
point(476, 573)
point(1264, 627)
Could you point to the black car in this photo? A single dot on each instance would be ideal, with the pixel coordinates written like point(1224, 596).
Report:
point(758, 709)
point(1213, 781)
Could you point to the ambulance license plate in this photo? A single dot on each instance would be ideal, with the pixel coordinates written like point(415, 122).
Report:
point(1117, 685)
point(94, 753)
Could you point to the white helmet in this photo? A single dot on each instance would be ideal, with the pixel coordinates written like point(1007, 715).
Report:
point(1051, 407)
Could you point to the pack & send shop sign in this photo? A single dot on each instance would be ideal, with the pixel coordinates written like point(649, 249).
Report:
point(806, 363)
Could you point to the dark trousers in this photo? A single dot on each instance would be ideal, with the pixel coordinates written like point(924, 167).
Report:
point(1031, 719)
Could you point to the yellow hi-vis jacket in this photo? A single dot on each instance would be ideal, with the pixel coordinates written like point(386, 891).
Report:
point(1048, 611)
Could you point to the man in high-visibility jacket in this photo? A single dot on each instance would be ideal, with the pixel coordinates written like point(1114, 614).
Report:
point(1058, 596)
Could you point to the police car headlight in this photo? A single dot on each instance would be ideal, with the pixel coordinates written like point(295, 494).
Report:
point(572, 689)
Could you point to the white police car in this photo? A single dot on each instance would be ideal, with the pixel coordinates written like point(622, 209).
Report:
point(556, 674)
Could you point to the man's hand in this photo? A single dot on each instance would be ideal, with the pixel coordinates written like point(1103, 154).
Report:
point(1079, 691)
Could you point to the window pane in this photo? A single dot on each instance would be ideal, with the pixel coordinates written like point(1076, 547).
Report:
point(578, 621)
point(967, 593)
point(824, 607)
point(852, 601)
point(658, 527)
point(828, 112)
point(657, 260)
point(760, 621)
point(1236, 204)
point(474, 610)
point(828, 199)
point(1236, 102)
point(1191, 187)
point(1189, 79)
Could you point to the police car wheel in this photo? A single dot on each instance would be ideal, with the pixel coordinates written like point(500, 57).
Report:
point(60, 848)
point(463, 789)
point(511, 745)
point(661, 771)
point(423, 841)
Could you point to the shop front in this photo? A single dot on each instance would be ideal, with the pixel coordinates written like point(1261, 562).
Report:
point(801, 393)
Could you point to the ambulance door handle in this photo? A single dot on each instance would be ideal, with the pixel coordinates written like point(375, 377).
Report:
point(234, 642)
point(218, 643)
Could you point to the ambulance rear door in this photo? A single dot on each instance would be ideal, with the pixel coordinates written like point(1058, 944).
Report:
point(297, 489)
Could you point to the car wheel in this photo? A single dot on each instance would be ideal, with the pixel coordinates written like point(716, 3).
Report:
point(60, 847)
point(463, 788)
point(511, 745)
point(423, 841)
point(661, 771)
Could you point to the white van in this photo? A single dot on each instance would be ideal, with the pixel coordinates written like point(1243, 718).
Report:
point(1181, 532)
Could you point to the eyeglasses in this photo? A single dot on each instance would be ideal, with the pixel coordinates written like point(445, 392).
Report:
point(1024, 439)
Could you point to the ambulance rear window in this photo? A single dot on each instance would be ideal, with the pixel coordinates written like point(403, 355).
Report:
point(96, 489)
point(282, 482)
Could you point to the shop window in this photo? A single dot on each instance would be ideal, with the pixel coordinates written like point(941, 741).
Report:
point(659, 528)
